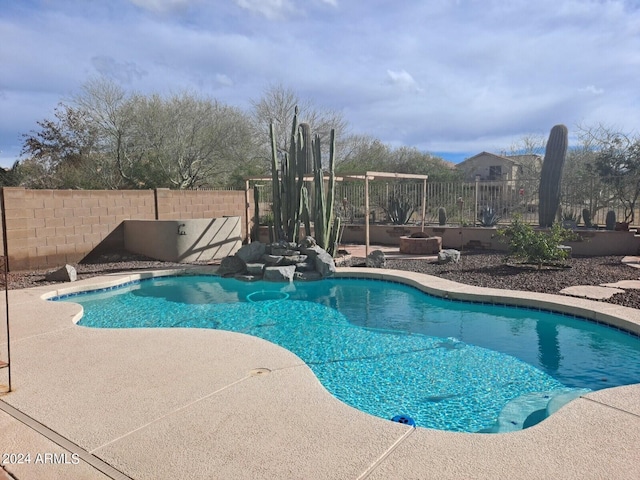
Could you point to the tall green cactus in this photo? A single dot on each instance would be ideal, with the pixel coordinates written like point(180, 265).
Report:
point(325, 225)
point(255, 228)
point(551, 175)
point(275, 180)
point(610, 220)
point(442, 216)
point(291, 202)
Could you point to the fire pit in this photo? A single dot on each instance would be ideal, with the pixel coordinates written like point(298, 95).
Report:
point(420, 246)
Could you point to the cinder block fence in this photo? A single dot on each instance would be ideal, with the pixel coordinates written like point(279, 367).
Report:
point(48, 228)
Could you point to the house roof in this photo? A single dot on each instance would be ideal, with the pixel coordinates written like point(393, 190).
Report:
point(482, 154)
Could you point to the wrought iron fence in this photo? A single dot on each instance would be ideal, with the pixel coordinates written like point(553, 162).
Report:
point(464, 202)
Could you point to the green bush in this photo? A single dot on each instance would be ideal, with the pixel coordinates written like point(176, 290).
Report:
point(538, 247)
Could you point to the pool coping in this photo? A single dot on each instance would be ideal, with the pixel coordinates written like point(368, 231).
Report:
point(596, 435)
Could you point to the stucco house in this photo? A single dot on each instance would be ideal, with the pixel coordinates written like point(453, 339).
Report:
point(505, 181)
point(498, 168)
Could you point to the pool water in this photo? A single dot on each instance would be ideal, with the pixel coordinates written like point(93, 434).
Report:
point(389, 349)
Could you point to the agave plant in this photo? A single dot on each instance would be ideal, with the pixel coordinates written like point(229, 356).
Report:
point(488, 217)
point(399, 209)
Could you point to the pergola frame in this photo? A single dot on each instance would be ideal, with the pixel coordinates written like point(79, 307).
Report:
point(367, 177)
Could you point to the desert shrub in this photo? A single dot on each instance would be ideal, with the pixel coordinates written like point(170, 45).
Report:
point(539, 247)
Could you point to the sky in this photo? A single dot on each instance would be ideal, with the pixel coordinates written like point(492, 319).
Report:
point(449, 77)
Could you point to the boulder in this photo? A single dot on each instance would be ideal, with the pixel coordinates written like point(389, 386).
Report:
point(279, 274)
point(251, 252)
point(323, 261)
point(448, 255)
point(231, 266)
point(271, 259)
point(293, 259)
point(283, 252)
point(64, 274)
point(282, 245)
point(376, 259)
point(308, 242)
point(247, 278)
point(255, 268)
point(306, 266)
point(313, 275)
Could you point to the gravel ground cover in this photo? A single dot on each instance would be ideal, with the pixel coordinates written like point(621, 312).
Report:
point(491, 269)
point(484, 269)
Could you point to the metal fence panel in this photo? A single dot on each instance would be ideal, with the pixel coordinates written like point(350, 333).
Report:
point(464, 202)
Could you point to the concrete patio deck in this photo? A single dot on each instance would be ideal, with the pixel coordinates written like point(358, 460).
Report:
point(207, 404)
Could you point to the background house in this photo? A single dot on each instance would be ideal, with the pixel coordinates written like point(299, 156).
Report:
point(505, 181)
point(492, 167)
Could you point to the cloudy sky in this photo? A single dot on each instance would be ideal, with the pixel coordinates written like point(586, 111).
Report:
point(452, 77)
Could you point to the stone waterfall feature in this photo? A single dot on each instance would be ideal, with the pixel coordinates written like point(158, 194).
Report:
point(281, 261)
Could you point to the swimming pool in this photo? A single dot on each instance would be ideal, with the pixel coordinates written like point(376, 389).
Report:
point(389, 349)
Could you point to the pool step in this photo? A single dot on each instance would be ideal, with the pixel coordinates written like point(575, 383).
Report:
point(531, 408)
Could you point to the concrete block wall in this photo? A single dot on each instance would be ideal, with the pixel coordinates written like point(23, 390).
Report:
point(190, 204)
point(48, 228)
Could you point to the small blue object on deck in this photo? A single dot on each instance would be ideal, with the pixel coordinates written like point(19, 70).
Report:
point(404, 419)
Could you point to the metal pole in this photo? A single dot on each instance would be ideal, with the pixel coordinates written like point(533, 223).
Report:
point(475, 218)
point(247, 205)
point(424, 203)
point(366, 215)
point(5, 269)
point(6, 300)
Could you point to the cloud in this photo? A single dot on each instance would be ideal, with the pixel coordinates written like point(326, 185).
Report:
point(162, 6)
point(403, 80)
point(440, 74)
point(592, 90)
point(224, 80)
point(271, 9)
point(122, 72)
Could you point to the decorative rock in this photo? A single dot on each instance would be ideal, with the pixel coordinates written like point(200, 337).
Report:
point(281, 245)
point(283, 252)
point(279, 274)
point(64, 274)
point(231, 266)
point(306, 266)
point(248, 278)
point(448, 255)
point(376, 259)
point(251, 252)
point(293, 259)
point(255, 268)
point(308, 242)
point(323, 261)
point(313, 275)
point(278, 262)
point(271, 259)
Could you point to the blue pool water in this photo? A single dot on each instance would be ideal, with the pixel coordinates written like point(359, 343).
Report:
point(389, 349)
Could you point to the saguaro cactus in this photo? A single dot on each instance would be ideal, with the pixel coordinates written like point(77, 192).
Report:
point(551, 175)
point(610, 220)
point(442, 216)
